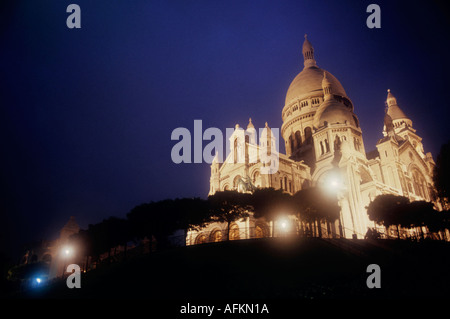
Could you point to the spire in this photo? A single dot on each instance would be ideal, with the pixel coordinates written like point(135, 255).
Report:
point(308, 53)
point(326, 87)
point(391, 100)
point(216, 158)
point(250, 124)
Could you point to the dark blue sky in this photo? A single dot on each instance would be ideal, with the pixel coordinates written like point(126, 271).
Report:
point(87, 114)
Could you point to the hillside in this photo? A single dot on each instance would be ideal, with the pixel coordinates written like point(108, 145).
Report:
point(271, 268)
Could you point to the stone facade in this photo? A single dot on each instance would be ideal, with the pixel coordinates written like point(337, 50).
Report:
point(325, 147)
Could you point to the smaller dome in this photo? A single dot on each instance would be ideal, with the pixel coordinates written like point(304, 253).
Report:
point(394, 111)
point(334, 112)
point(250, 124)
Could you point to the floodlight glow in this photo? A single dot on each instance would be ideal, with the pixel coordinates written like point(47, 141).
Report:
point(284, 224)
point(67, 251)
point(38, 280)
point(333, 182)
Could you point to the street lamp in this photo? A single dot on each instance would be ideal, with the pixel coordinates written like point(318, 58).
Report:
point(66, 253)
point(284, 225)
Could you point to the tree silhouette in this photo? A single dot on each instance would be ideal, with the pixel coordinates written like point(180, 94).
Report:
point(441, 174)
point(313, 205)
point(97, 240)
point(388, 210)
point(117, 232)
point(420, 214)
point(191, 213)
point(154, 219)
point(271, 204)
point(228, 206)
point(436, 221)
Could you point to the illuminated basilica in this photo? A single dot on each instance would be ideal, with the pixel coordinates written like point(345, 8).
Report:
point(324, 146)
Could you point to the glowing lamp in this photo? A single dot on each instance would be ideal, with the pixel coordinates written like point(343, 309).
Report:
point(67, 251)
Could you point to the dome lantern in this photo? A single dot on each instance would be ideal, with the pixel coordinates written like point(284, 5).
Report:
point(391, 100)
point(308, 53)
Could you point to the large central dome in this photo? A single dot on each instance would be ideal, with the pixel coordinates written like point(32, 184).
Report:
point(309, 83)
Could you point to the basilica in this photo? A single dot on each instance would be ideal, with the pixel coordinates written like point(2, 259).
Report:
point(324, 147)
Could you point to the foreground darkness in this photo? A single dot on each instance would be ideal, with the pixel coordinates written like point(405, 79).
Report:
point(280, 268)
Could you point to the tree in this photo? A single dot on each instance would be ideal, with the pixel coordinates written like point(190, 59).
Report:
point(102, 237)
point(229, 206)
point(419, 214)
point(441, 174)
point(271, 204)
point(96, 240)
point(117, 232)
point(437, 221)
point(388, 210)
point(154, 219)
point(191, 213)
point(313, 205)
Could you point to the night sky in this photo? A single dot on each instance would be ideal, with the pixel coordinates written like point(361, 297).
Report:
point(87, 114)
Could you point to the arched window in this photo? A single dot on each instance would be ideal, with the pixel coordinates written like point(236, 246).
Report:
point(321, 148)
point(291, 141)
point(257, 179)
point(285, 183)
point(420, 188)
point(258, 232)
point(308, 135)
point(261, 230)
point(356, 143)
point(234, 232)
point(327, 146)
point(298, 139)
point(337, 143)
point(236, 181)
point(216, 236)
point(201, 239)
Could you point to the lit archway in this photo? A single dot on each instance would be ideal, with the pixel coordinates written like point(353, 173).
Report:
point(216, 236)
point(201, 239)
point(234, 232)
